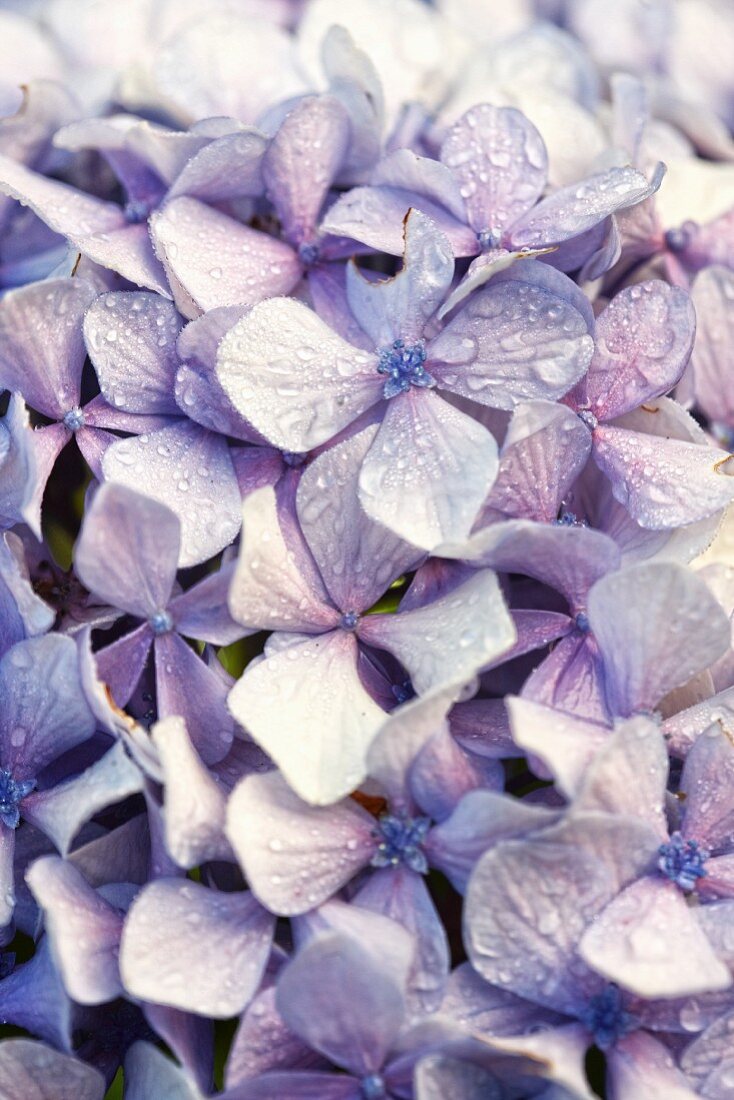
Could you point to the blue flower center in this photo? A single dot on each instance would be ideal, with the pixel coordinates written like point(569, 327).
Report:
point(373, 1087)
point(293, 459)
point(682, 861)
point(607, 1019)
point(678, 240)
point(161, 622)
point(137, 211)
point(403, 365)
point(349, 620)
point(404, 691)
point(582, 622)
point(12, 792)
point(308, 253)
point(488, 238)
point(588, 418)
point(569, 519)
point(74, 419)
point(400, 839)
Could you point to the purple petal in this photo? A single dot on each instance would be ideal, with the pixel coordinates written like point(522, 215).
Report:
point(565, 743)
point(201, 612)
point(20, 495)
point(500, 161)
point(706, 785)
point(148, 1072)
point(187, 686)
point(428, 471)
point(624, 944)
point(129, 252)
point(571, 679)
point(225, 940)
point(442, 773)
point(229, 265)
point(641, 1066)
point(131, 339)
point(629, 774)
point(32, 1071)
point(311, 687)
point(32, 997)
point(120, 665)
point(712, 293)
point(83, 929)
point(707, 1061)
point(230, 167)
point(128, 550)
point(64, 209)
point(293, 378)
point(190, 471)
point(449, 640)
point(263, 1043)
point(398, 308)
point(296, 856)
point(656, 626)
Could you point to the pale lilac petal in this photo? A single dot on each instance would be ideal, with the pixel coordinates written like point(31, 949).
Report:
point(632, 939)
point(708, 1061)
point(84, 930)
point(190, 471)
point(131, 338)
point(565, 743)
point(263, 1043)
point(195, 804)
point(129, 252)
point(500, 161)
point(629, 774)
point(229, 167)
point(7, 859)
point(706, 784)
point(561, 1052)
point(301, 162)
point(449, 640)
point(643, 342)
point(639, 1065)
point(128, 550)
point(514, 341)
point(656, 626)
point(398, 308)
point(442, 773)
point(41, 346)
point(293, 378)
point(327, 290)
point(306, 706)
point(120, 665)
point(20, 494)
point(61, 811)
point(569, 872)
point(202, 612)
point(712, 294)
point(212, 260)
point(574, 209)
point(357, 558)
point(33, 1071)
point(64, 209)
point(296, 856)
point(275, 586)
point(428, 471)
point(148, 1072)
point(187, 686)
point(681, 730)
point(483, 1008)
point(365, 1002)
point(223, 941)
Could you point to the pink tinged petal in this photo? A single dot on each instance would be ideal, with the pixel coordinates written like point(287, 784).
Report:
point(295, 856)
point(629, 775)
point(149, 1072)
point(402, 895)
point(544, 451)
point(570, 871)
point(301, 162)
point(447, 641)
point(428, 471)
point(681, 730)
point(513, 341)
point(357, 558)
point(187, 686)
point(633, 940)
point(656, 625)
point(639, 1065)
point(131, 339)
point(643, 342)
point(201, 612)
point(120, 665)
point(34, 1071)
point(190, 471)
point(275, 586)
point(500, 161)
point(64, 209)
point(336, 997)
point(128, 550)
point(574, 209)
point(707, 785)
point(44, 711)
point(708, 1061)
point(307, 708)
point(398, 308)
point(293, 378)
point(83, 929)
point(718, 881)
point(194, 803)
point(230, 167)
point(60, 811)
point(442, 773)
point(129, 252)
point(712, 294)
point(212, 260)
point(164, 959)
point(481, 820)
point(41, 346)
point(263, 1043)
point(566, 744)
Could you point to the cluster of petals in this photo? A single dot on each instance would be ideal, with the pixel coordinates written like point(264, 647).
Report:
point(366, 549)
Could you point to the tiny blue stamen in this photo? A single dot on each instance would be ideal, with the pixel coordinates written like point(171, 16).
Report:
point(570, 519)
point(582, 622)
point(404, 691)
point(294, 459)
point(677, 240)
point(682, 861)
point(161, 622)
point(723, 434)
point(607, 1019)
point(403, 365)
point(12, 792)
point(373, 1087)
point(488, 238)
point(400, 841)
point(74, 419)
point(136, 211)
point(308, 253)
point(588, 418)
point(349, 620)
